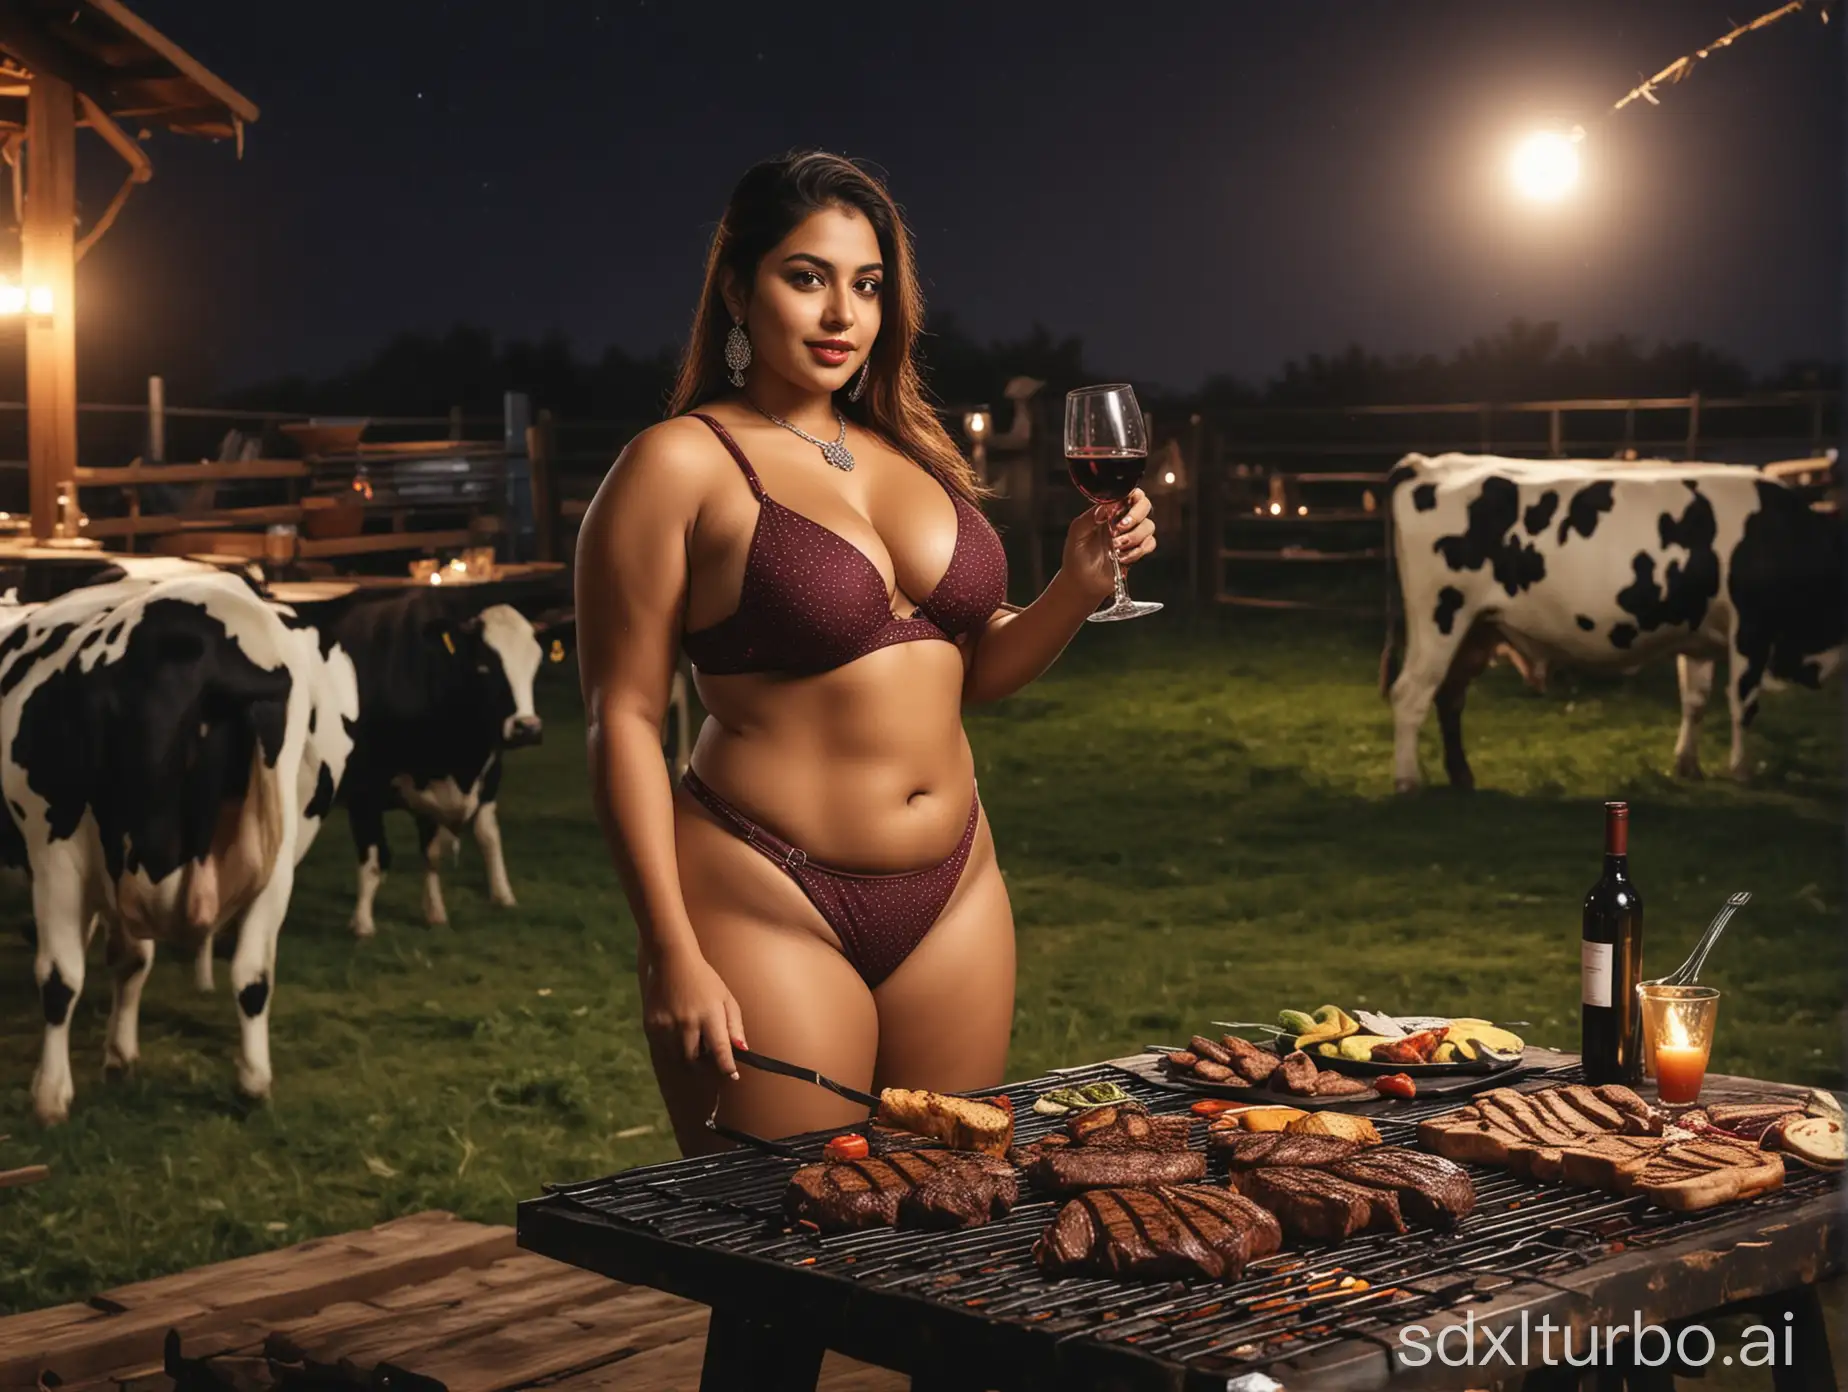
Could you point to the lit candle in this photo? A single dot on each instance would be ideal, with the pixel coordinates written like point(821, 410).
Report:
point(1679, 1071)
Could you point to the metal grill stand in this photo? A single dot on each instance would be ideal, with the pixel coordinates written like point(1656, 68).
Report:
point(969, 1310)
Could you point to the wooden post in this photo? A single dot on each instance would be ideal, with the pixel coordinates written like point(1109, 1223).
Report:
point(1693, 425)
point(49, 261)
point(1196, 515)
point(540, 443)
point(157, 421)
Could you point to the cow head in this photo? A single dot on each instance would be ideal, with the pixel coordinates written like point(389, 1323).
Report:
point(496, 656)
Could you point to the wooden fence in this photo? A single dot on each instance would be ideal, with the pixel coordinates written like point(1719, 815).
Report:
point(1246, 498)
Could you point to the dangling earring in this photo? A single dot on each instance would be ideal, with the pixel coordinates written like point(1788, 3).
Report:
point(737, 351)
point(860, 382)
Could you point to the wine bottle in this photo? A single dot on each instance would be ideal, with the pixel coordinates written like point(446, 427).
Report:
point(1611, 963)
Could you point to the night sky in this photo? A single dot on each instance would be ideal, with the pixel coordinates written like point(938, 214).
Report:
point(1192, 187)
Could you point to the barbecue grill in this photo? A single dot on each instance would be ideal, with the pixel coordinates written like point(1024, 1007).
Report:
point(969, 1309)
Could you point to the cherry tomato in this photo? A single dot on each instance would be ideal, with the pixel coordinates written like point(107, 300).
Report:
point(846, 1148)
point(1397, 1085)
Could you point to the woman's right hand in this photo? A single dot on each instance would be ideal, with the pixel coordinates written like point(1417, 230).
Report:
point(687, 1008)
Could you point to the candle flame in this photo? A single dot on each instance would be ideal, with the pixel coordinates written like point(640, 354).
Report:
point(1674, 1031)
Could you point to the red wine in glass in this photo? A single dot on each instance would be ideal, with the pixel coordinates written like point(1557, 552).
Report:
point(1106, 448)
point(1107, 476)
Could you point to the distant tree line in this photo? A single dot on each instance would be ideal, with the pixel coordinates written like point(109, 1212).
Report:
point(426, 374)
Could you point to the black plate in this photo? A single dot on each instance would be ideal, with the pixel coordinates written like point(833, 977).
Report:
point(1367, 1068)
point(1148, 1067)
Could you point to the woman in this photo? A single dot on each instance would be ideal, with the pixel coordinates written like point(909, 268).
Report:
point(823, 883)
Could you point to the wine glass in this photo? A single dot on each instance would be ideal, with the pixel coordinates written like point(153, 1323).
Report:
point(1106, 448)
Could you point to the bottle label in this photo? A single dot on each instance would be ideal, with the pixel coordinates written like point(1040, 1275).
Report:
point(1595, 973)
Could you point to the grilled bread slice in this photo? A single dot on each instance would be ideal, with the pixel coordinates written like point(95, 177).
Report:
point(961, 1123)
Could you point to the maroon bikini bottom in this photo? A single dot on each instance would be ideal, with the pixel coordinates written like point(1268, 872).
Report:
point(879, 919)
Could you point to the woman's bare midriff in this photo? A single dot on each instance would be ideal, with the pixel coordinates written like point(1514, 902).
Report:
point(865, 767)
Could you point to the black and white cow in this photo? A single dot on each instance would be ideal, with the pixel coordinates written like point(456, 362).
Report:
point(151, 749)
point(1605, 567)
point(442, 694)
point(333, 689)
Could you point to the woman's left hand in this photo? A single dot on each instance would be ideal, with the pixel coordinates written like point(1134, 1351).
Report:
point(1093, 534)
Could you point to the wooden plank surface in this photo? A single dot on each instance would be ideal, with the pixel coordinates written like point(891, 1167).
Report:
point(512, 1322)
point(385, 541)
point(133, 475)
point(126, 1325)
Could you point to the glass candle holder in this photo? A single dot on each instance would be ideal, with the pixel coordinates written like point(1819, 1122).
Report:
point(1677, 1037)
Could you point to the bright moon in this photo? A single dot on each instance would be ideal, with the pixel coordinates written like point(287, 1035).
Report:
point(1545, 166)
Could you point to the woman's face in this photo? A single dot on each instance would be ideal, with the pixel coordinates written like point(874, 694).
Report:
point(815, 305)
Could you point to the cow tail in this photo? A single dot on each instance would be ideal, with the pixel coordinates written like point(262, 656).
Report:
point(1395, 615)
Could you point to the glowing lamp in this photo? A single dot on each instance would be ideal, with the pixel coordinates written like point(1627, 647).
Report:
point(1168, 477)
point(1545, 165)
point(38, 299)
point(1276, 509)
point(1302, 511)
point(12, 299)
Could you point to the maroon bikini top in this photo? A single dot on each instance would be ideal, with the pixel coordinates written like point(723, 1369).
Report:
point(813, 601)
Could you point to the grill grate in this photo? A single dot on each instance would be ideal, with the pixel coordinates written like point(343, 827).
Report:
point(1285, 1306)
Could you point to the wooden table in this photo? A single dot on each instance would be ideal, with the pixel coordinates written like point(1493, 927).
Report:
point(775, 1310)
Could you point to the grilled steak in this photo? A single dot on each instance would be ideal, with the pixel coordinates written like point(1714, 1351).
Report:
point(921, 1188)
point(1168, 1233)
point(1697, 1174)
point(1245, 1150)
point(1315, 1206)
point(1608, 1162)
point(1254, 1064)
point(1181, 1061)
point(1296, 1073)
point(1216, 1072)
point(1207, 1049)
point(1329, 1083)
point(1750, 1120)
point(961, 1195)
point(1593, 1107)
point(1128, 1125)
point(1431, 1191)
point(1640, 1118)
point(1073, 1169)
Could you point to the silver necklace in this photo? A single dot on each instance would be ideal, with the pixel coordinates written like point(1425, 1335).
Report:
point(834, 451)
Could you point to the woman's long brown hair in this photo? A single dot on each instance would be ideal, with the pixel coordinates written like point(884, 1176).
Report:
point(769, 202)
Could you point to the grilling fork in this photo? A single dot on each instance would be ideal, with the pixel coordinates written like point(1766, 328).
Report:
point(1684, 974)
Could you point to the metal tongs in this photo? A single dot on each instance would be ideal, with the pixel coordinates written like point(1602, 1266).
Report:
point(764, 1063)
point(1685, 974)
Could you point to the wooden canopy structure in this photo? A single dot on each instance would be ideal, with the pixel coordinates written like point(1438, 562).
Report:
point(65, 64)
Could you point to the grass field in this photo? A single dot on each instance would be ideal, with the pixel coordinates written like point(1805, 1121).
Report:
point(1196, 822)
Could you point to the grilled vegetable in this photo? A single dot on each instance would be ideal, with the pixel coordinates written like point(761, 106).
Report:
point(1295, 1021)
point(1475, 1039)
point(844, 1148)
point(1397, 1085)
point(1213, 1106)
point(1359, 1047)
point(1331, 1023)
point(1077, 1099)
